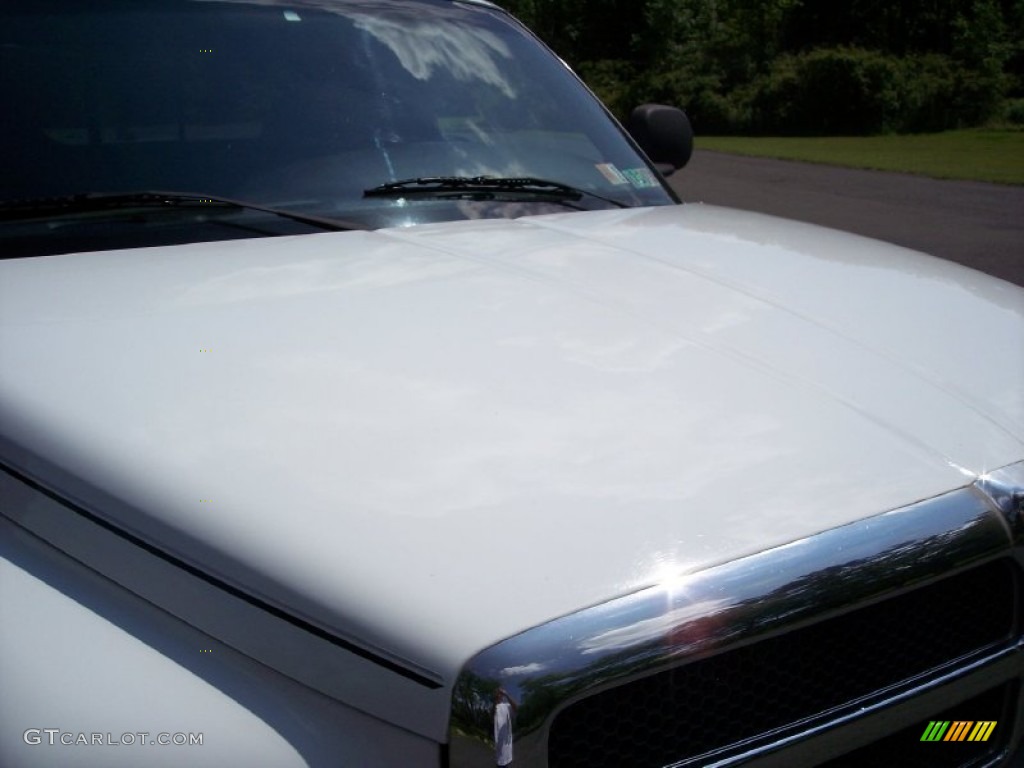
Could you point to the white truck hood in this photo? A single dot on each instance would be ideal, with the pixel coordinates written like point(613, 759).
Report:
point(430, 439)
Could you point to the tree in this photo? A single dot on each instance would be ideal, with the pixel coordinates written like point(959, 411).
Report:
point(734, 64)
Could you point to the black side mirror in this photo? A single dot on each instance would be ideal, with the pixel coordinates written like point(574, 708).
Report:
point(664, 133)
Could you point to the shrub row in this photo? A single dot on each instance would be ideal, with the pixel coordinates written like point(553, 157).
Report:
point(832, 91)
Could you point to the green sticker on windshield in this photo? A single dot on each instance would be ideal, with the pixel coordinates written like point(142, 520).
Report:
point(640, 178)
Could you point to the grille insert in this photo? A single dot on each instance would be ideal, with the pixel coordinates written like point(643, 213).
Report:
point(780, 681)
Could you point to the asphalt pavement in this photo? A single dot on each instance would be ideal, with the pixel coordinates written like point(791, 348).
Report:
point(973, 223)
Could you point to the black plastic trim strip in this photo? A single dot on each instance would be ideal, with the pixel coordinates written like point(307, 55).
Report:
point(232, 590)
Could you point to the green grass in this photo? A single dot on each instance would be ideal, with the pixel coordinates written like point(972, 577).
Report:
point(977, 154)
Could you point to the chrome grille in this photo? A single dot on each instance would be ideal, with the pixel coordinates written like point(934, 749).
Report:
point(787, 657)
point(789, 678)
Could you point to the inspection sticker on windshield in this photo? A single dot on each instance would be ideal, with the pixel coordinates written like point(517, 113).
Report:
point(640, 178)
point(613, 174)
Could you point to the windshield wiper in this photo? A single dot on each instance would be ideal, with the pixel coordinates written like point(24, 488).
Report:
point(50, 207)
point(487, 188)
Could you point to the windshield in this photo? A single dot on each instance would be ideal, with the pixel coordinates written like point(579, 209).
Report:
point(302, 106)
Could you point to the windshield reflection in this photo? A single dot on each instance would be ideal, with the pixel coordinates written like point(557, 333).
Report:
point(301, 106)
point(461, 51)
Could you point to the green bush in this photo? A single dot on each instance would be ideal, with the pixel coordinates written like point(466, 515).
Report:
point(928, 90)
point(851, 91)
point(710, 107)
point(613, 80)
point(774, 99)
point(1013, 111)
point(839, 91)
point(979, 97)
point(715, 113)
point(830, 91)
point(795, 66)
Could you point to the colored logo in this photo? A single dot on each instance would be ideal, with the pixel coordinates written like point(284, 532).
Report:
point(959, 730)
